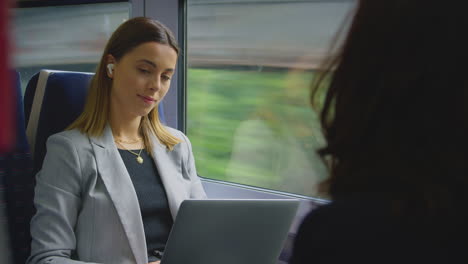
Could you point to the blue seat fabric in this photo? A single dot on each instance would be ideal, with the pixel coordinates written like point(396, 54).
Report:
point(63, 102)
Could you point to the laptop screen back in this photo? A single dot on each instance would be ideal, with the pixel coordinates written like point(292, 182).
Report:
point(229, 231)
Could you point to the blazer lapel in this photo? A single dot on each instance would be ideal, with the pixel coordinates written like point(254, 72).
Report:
point(169, 166)
point(120, 188)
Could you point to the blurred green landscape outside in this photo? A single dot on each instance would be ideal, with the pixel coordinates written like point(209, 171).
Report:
point(255, 128)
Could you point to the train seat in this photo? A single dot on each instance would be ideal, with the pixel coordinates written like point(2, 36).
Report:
point(17, 184)
point(52, 101)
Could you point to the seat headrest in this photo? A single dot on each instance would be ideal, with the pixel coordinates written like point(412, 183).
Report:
point(53, 100)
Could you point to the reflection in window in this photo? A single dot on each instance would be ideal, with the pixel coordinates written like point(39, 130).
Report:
point(63, 37)
point(250, 64)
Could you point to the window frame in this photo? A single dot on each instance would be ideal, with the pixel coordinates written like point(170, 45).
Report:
point(46, 3)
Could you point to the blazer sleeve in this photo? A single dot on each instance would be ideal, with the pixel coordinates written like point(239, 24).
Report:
point(197, 190)
point(57, 200)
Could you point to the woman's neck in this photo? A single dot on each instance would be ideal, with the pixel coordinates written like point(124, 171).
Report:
point(125, 127)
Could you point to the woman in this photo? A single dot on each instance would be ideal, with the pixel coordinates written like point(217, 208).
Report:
point(395, 117)
point(111, 185)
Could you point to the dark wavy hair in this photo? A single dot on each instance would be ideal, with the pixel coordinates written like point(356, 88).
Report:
point(395, 108)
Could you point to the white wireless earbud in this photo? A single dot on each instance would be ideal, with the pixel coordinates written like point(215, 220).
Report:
point(110, 68)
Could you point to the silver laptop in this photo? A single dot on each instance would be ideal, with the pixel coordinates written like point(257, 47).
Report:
point(229, 231)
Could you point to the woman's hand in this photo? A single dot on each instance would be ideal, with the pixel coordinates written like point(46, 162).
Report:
point(155, 262)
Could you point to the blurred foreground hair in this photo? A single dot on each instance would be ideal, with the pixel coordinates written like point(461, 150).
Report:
point(395, 109)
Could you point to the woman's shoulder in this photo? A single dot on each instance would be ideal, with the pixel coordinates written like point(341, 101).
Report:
point(184, 146)
point(346, 221)
point(367, 231)
point(178, 134)
point(73, 137)
point(339, 230)
point(174, 132)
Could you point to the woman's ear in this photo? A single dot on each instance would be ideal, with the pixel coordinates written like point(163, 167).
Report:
point(110, 66)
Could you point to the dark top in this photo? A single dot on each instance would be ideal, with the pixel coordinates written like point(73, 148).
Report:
point(157, 218)
point(363, 231)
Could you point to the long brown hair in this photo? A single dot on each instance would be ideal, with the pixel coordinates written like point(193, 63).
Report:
point(95, 116)
point(395, 110)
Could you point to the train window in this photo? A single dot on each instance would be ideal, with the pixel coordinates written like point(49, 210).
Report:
point(250, 64)
point(69, 37)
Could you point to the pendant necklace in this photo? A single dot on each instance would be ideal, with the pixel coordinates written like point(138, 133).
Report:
point(139, 159)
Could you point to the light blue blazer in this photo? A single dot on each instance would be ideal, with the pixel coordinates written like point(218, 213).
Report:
point(87, 208)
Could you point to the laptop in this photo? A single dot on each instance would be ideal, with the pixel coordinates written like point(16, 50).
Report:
point(229, 231)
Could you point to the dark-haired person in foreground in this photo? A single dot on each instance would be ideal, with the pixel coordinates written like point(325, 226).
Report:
point(395, 117)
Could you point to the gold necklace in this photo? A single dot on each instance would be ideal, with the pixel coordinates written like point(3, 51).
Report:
point(128, 142)
point(139, 159)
